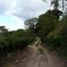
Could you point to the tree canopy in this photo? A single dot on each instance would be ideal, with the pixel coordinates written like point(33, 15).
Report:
point(31, 23)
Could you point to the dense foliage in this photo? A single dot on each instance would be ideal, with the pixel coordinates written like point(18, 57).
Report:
point(53, 32)
point(15, 40)
point(47, 23)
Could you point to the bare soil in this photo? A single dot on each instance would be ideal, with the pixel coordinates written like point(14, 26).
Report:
point(31, 57)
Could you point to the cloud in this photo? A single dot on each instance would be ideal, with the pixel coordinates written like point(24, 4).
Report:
point(5, 5)
point(23, 8)
point(20, 10)
point(29, 8)
point(11, 22)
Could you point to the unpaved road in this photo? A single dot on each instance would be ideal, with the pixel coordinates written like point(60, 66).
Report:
point(33, 58)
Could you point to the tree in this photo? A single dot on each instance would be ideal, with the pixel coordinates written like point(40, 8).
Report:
point(16, 40)
point(47, 23)
point(3, 29)
point(56, 3)
point(31, 23)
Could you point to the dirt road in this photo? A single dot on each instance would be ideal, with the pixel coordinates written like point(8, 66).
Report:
point(33, 58)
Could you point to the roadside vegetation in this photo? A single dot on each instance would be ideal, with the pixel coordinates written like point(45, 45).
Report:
point(53, 32)
point(11, 41)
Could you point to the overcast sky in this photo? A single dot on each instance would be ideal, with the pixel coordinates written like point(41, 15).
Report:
point(14, 12)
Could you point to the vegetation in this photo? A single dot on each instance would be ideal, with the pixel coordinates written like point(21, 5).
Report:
point(49, 27)
point(15, 40)
point(53, 31)
point(31, 24)
point(47, 22)
point(56, 4)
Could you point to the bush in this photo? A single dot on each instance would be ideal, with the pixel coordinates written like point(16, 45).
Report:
point(15, 40)
point(53, 32)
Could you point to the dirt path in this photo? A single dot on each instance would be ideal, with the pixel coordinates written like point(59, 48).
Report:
point(33, 58)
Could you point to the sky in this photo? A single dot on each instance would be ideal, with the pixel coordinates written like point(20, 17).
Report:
point(13, 13)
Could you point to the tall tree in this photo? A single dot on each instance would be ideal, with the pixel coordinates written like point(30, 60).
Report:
point(31, 23)
point(3, 29)
point(56, 3)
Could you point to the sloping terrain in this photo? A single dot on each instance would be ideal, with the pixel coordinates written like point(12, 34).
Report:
point(32, 57)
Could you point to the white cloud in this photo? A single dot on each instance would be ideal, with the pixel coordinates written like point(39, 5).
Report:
point(17, 24)
point(21, 10)
point(12, 22)
point(29, 8)
point(6, 5)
